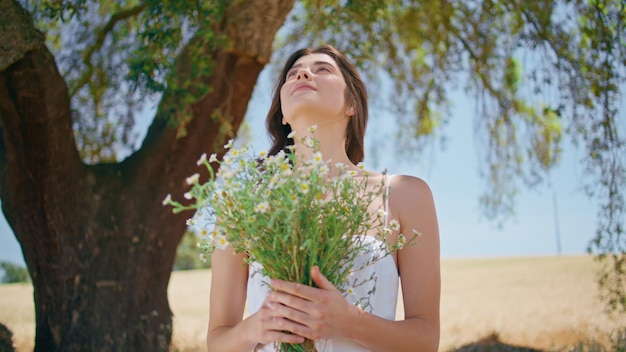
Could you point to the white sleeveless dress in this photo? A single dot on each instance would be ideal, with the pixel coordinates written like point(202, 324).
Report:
point(382, 299)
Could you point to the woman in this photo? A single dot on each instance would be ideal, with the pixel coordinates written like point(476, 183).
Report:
point(320, 87)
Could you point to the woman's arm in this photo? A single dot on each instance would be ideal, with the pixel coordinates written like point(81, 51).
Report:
point(412, 203)
point(229, 279)
point(227, 331)
point(324, 313)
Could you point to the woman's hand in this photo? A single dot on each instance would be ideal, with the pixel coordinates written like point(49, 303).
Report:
point(314, 313)
point(269, 326)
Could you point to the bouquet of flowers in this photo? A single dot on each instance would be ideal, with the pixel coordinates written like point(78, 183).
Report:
point(287, 215)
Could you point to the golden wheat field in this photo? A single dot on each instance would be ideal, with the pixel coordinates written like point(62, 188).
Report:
point(548, 303)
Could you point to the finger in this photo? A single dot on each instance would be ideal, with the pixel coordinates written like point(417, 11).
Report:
point(286, 327)
point(289, 312)
point(276, 328)
point(281, 298)
point(295, 289)
point(320, 280)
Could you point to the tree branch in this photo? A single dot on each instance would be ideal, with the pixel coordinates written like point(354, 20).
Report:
point(108, 27)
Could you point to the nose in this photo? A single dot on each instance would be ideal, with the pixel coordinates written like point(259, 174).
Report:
point(303, 73)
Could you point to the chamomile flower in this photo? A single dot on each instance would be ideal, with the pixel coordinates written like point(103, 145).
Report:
point(417, 233)
point(246, 243)
point(309, 142)
point(167, 200)
point(190, 222)
point(313, 128)
point(340, 166)
point(360, 165)
point(394, 224)
point(263, 154)
point(202, 159)
point(304, 188)
point(291, 134)
point(202, 257)
point(213, 158)
point(401, 241)
point(187, 195)
point(193, 179)
point(317, 158)
point(204, 232)
point(229, 144)
point(221, 242)
point(262, 207)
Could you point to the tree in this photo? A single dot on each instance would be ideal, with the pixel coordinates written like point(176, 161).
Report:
point(73, 75)
point(14, 273)
point(188, 256)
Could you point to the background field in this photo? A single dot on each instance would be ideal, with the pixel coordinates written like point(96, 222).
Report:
point(549, 303)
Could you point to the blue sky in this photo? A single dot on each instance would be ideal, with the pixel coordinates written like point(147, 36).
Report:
point(453, 175)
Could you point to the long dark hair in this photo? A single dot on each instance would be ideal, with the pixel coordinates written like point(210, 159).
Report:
point(356, 97)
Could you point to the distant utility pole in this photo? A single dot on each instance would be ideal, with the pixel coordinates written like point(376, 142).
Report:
point(556, 223)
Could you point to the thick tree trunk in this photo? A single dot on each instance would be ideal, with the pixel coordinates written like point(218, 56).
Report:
point(97, 241)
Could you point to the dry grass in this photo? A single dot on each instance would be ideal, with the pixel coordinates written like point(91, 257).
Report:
point(547, 303)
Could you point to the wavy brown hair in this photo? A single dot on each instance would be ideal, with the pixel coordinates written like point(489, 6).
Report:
point(355, 96)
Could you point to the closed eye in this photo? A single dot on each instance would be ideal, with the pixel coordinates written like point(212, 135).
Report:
point(323, 69)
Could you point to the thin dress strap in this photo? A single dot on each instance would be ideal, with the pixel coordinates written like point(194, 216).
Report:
point(387, 198)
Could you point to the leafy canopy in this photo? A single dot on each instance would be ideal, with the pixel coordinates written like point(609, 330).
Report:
point(539, 70)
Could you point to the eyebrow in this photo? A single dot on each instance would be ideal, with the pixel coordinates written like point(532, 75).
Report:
point(314, 64)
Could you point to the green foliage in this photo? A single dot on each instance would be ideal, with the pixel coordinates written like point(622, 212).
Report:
point(118, 56)
point(14, 273)
point(187, 254)
point(539, 70)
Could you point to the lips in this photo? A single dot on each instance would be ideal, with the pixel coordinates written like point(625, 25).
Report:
point(302, 86)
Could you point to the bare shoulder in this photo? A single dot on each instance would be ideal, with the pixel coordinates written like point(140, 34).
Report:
point(409, 190)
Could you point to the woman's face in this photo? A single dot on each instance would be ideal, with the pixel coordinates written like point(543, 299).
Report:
point(314, 86)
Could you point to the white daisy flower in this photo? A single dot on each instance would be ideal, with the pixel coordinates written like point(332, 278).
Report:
point(193, 179)
point(229, 144)
point(168, 198)
point(394, 224)
point(262, 207)
point(317, 158)
point(221, 242)
point(309, 142)
point(313, 128)
point(202, 159)
point(213, 158)
point(291, 134)
point(401, 241)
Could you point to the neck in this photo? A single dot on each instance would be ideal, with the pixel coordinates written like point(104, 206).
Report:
point(331, 141)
